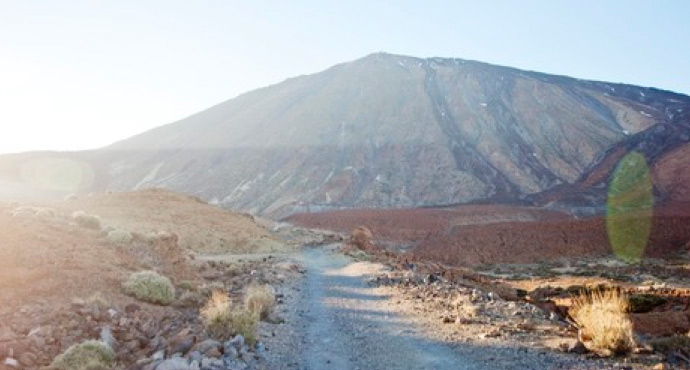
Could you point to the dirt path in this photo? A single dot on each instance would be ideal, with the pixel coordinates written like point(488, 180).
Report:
point(336, 321)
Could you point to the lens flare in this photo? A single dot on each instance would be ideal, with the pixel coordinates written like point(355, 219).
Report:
point(57, 174)
point(629, 208)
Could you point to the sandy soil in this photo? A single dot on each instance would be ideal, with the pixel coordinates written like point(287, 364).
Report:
point(201, 227)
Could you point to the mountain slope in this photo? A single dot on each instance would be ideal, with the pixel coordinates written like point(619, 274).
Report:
point(389, 131)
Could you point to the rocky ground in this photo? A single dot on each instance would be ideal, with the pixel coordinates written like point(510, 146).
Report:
point(346, 314)
point(61, 284)
point(526, 306)
point(61, 279)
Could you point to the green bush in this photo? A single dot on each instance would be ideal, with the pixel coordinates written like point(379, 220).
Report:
point(91, 354)
point(119, 237)
point(86, 220)
point(642, 303)
point(149, 286)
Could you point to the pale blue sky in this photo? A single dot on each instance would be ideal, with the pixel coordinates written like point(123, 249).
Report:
point(82, 74)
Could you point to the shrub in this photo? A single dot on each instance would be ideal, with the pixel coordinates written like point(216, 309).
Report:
point(119, 237)
point(97, 300)
point(149, 286)
point(360, 255)
point(187, 285)
point(222, 322)
point(45, 213)
point(86, 220)
point(91, 354)
point(642, 303)
point(260, 300)
point(604, 326)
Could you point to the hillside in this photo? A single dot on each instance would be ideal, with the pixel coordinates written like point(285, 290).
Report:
point(201, 228)
point(391, 131)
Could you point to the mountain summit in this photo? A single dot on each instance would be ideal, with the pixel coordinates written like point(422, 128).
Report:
point(392, 131)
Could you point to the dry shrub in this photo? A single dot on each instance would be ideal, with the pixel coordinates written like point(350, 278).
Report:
point(149, 286)
point(260, 300)
point(119, 237)
point(86, 220)
point(605, 327)
point(97, 299)
point(91, 354)
point(361, 237)
point(222, 322)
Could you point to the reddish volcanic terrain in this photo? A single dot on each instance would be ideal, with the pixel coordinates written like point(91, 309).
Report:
point(486, 234)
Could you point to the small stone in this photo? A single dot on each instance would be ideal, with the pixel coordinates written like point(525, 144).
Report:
point(260, 348)
point(577, 347)
point(237, 341)
point(195, 356)
point(231, 352)
point(182, 342)
point(28, 359)
point(660, 366)
point(158, 355)
point(11, 362)
point(213, 353)
point(462, 321)
point(152, 365)
point(211, 362)
point(177, 363)
point(207, 345)
point(107, 337)
point(34, 332)
point(493, 333)
point(132, 308)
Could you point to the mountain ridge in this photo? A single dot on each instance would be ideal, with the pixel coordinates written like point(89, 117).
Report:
point(390, 131)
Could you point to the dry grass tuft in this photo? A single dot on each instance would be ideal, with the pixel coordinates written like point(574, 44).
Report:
point(605, 327)
point(260, 300)
point(222, 322)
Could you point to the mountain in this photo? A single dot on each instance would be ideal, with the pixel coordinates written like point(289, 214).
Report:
point(396, 131)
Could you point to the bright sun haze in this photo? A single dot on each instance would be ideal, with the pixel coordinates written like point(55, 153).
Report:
point(77, 74)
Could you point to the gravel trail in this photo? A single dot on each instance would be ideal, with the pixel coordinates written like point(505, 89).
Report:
point(334, 320)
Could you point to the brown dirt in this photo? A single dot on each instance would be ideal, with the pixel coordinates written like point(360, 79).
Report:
point(671, 173)
point(52, 257)
point(201, 227)
point(412, 225)
point(51, 268)
point(52, 260)
point(486, 234)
